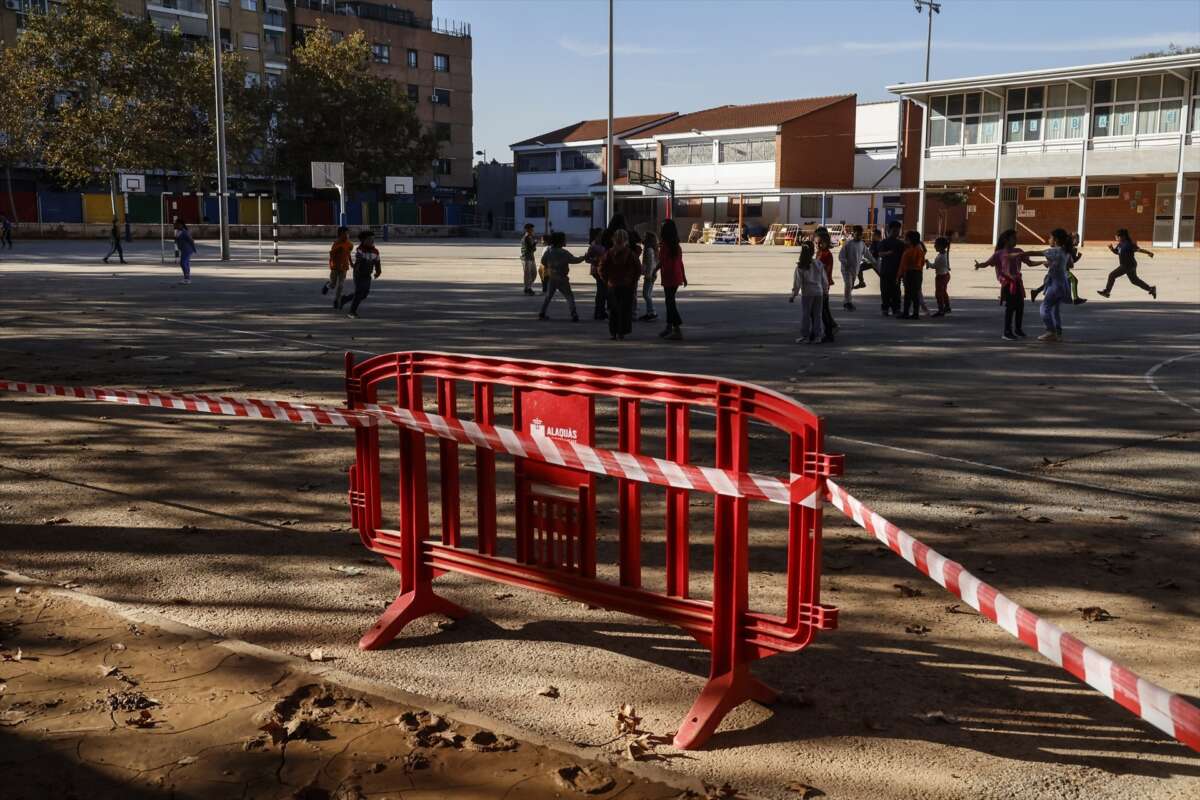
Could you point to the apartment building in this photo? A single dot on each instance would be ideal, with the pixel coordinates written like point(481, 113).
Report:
point(762, 163)
point(1088, 148)
point(430, 58)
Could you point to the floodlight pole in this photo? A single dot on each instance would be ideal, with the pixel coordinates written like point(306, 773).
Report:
point(933, 8)
point(219, 89)
point(608, 171)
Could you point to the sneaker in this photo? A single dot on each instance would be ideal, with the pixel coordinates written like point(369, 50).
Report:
point(325, 289)
point(186, 282)
point(1008, 337)
point(860, 285)
point(675, 335)
point(1033, 295)
point(1080, 301)
point(1102, 293)
point(574, 318)
point(1154, 292)
point(352, 314)
point(848, 306)
point(887, 313)
point(792, 299)
point(938, 314)
point(1020, 333)
point(1048, 336)
point(105, 260)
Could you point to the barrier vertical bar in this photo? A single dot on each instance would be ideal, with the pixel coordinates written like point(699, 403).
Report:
point(629, 494)
point(485, 471)
point(258, 217)
point(447, 400)
point(678, 435)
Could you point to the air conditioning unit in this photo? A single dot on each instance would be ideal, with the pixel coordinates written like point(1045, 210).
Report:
point(433, 98)
point(12, 5)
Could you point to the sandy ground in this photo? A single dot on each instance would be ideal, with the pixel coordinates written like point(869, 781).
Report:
point(97, 705)
point(239, 527)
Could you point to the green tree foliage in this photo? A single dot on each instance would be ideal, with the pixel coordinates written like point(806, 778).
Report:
point(110, 82)
point(335, 109)
point(20, 119)
point(1172, 49)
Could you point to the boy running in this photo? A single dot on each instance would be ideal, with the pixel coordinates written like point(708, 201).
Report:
point(366, 266)
point(339, 264)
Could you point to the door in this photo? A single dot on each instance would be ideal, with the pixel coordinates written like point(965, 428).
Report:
point(1008, 208)
point(1164, 214)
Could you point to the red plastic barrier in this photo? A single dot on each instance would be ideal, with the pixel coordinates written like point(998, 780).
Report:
point(556, 505)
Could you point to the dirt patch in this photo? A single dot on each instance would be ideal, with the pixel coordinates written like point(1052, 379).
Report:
point(95, 706)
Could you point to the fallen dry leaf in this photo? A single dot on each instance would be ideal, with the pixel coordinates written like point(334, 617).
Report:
point(488, 742)
point(55, 521)
point(919, 630)
point(142, 720)
point(627, 719)
point(352, 572)
point(936, 717)
point(805, 791)
point(549, 691)
point(723, 792)
point(317, 654)
point(183, 762)
point(588, 780)
point(1094, 614)
point(907, 591)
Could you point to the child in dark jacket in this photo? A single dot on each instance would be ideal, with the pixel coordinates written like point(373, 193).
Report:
point(366, 267)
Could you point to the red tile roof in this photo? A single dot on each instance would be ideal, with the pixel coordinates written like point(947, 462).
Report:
point(592, 129)
point(732, 117)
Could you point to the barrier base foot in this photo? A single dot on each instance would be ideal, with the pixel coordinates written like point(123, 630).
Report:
point(721, 695)
point(403, 610)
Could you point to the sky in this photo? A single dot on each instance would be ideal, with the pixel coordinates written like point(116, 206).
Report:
point(539, 65)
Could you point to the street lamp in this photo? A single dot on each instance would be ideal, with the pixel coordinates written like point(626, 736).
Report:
point(934, 8)
point(482, 153)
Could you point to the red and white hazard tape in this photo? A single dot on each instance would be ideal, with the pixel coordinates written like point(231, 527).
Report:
point(1163, 709)
point(610, 463)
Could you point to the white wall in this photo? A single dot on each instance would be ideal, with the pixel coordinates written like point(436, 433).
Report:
point(877, 124)
point(723, 178)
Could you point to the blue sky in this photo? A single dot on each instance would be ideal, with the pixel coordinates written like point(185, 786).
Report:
point(541, 64)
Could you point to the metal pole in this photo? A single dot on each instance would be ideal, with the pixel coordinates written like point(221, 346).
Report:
point(928, 41)
point(921, 173)
point(219, 91)
point(275, 226)
point(258, 215)
point(609, 210)
point(1183, 124)
point(1083, 165)
point(162, 228)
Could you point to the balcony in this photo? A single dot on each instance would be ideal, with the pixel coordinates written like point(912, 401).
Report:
point(197, 8)
point(388, 14)
point(275, 20)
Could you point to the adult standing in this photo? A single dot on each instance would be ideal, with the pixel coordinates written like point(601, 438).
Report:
point(5, 231)
point(1126, 250)
point(1007, 260)
point(620, 270)
point(670, 267)
point(853, 255)
point(114, 243)
point(186, 247)
point(888, 254)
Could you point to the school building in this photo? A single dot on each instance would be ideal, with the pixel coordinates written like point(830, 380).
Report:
point(761, 163)
point(1089, 149)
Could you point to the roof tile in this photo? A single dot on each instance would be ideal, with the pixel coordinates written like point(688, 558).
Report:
point(731, 117)
point(592, 129)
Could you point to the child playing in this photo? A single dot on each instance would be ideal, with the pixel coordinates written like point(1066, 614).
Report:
point(543, 247)
point(1126, 250)
point(528, 265)
point(595, 254)
point(814, 288)
point(557, 262)
point(649, 273)
point(339, 265)
point(941, 275)
point(1058, 262)
point(366, 266)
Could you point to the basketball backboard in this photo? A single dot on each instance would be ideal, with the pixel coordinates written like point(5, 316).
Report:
point(328, 174)
point(394, 184)
point(133, 183)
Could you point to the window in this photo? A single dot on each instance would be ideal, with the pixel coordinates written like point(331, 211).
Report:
point(810, 206)
point(582, 159)
point(274, 78)
point(249, 41)
point(414, 93)
point(1097, 190)
point(751, 207)
point(1035, 193)
point(1196, 101)
point(381, 53)
point(691, 207)
point(250, 5)
point(536, 162)
point(441, 63)
point(535, 208)
point(695, 153)
point(441, 97)
point(273, 43)
point(1065, 192)
point(441, 131)
point(960, 119)
point(443, 166)
point(412, 59)
point(1045, 113)
point(751, 150)
point(252, 80)
point(579, 208)
point(1146, 105)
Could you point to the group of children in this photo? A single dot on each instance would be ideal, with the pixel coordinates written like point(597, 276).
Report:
point(345, 257)
point(617, 259)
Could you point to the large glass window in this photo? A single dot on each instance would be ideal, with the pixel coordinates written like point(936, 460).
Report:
point(579, 208)
point(693, 153)
point(536, 162)
point(971, 118)
point(1046, 113)
point(810, 206)
point(581, 159)
point(1196, 101)
point(748, 150)
point(535, 208)
point(1146, 105)
point(441, 63)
